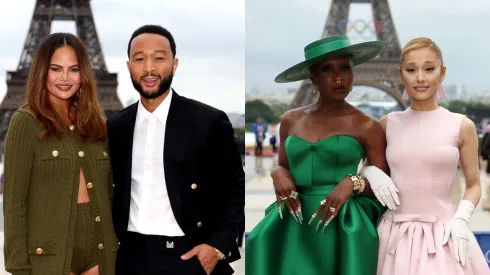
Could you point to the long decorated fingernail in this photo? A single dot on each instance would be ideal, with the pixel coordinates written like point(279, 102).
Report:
point(312, 217)
point(280, 212)
point(294, 216)
point(326, 223)
point(300, 214)
point(299, 217)
point(324, 226)
point(318, 226)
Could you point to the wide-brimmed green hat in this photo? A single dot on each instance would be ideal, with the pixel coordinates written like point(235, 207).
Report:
point(322, 49)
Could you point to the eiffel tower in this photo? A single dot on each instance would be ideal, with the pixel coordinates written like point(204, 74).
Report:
point(381, 72)
point(45, 12)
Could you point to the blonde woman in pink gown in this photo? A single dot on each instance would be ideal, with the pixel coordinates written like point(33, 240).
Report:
point(425, 234)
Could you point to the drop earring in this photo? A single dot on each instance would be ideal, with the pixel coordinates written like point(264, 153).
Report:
point(441, 91)
point(405, 94)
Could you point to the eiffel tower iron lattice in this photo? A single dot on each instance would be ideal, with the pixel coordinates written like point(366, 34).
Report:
point(45, 12)
point(381, 72)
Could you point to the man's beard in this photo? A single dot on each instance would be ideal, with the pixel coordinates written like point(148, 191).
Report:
point(164, 85)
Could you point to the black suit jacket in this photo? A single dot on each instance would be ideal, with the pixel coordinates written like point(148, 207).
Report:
point(200, 151)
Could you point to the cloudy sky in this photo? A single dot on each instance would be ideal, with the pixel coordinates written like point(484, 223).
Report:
point(210, 43)
point(278, 30)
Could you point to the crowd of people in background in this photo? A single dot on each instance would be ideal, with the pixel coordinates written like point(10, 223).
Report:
point(260, 130)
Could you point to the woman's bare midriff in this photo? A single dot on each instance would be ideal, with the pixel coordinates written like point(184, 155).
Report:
point(82, 189)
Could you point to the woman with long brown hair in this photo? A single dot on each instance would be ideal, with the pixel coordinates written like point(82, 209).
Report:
point(57, 204)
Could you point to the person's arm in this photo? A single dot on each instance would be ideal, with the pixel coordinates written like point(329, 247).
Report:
point(231, 172)
point(283, 164)
point(376, 172)
point(282, 169)
point(283, 181)
point(375, 151)
point(468, 150)
point(458, 228)
point(19, 155)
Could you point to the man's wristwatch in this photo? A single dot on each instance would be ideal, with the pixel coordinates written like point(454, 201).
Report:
point(220, 255)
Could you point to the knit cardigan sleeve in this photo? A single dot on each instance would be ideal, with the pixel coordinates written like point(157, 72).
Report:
point(19, 154)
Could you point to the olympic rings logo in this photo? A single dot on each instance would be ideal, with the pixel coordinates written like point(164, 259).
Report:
point(359, 28)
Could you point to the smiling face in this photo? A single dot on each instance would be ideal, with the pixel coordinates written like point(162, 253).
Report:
point(151, 64)
point(422, 69)
point(63, 78)
point(333, 77)
point(422, 72)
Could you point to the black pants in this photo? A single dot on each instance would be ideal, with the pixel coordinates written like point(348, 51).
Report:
point(258, 148)
point(149, 255)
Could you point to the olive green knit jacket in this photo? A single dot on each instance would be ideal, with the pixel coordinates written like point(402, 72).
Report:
point(41, 183)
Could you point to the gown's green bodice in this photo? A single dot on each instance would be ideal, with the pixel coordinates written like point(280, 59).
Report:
point(349, 245)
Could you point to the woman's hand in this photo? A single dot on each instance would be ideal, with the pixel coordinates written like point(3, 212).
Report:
point(285, 189)
point(330, 206)
point(382, 185)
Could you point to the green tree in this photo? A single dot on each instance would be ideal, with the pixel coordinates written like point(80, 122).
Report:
point(477, 112)
point(279, 110)
point(240, 132)
point(257, 108)
point(457, 106)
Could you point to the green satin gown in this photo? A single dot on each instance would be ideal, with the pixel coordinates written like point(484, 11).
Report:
point(349, 244)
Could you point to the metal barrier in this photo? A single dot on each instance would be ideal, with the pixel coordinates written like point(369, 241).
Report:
point(483, 238)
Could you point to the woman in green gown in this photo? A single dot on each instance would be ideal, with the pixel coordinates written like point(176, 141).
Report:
point(320, 150)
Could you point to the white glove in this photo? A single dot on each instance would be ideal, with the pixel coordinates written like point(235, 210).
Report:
point(383, 187)
point(458, 228)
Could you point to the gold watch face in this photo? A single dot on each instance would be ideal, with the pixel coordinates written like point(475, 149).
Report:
point(220, 255)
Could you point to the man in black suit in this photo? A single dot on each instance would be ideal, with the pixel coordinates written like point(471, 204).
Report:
point(179, 185)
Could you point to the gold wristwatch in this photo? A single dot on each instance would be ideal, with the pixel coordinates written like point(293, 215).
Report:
point(220, 255)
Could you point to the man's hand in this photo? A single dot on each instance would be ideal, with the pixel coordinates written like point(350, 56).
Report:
point(206, 255)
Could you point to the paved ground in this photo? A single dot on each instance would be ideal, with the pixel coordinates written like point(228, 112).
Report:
point(259, 194)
